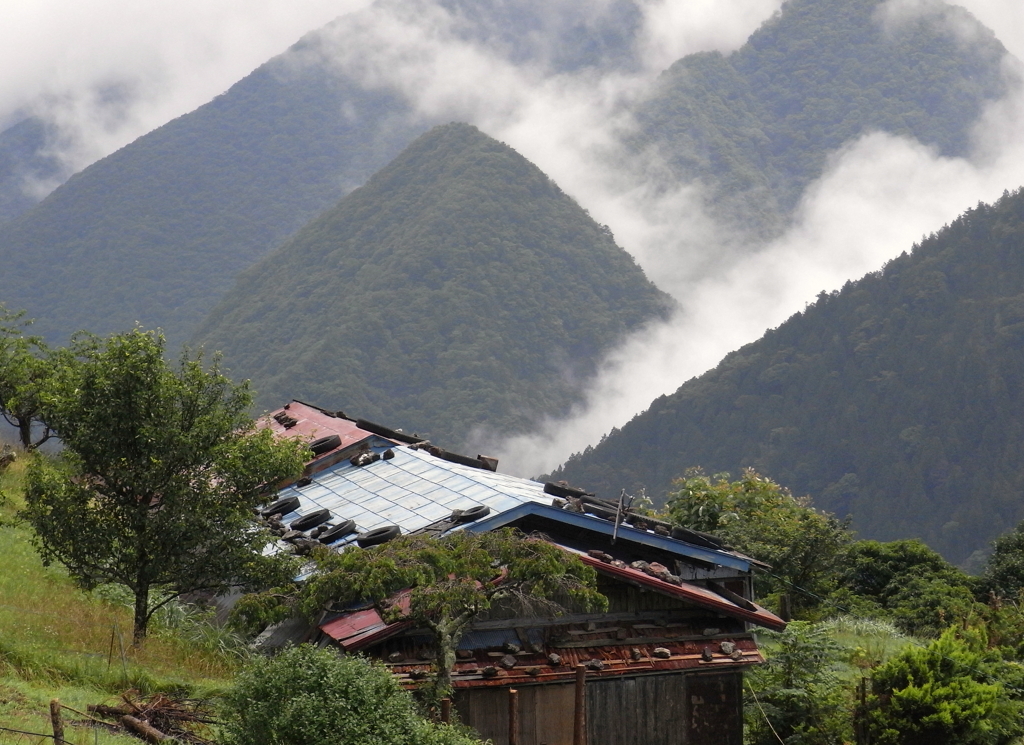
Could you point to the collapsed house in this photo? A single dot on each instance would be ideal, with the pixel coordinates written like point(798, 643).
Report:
point(664, 663)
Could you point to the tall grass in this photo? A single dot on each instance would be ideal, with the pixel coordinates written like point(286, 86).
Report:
point(57, 640)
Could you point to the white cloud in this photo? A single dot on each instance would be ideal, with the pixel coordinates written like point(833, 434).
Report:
point(107, 71)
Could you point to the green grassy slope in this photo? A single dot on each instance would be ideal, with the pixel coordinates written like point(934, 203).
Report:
point(459, 287)
point(55, 642)
point(898, 400)
point(758, 125)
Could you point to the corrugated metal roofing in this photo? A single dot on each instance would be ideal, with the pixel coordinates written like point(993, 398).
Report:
point(311, 423)
point(634, 657)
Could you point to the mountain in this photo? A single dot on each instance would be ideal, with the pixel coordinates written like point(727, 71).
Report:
point(157, 232)
point(757, 126)
point(27, 166)
point(459, 288)
point(898, 400)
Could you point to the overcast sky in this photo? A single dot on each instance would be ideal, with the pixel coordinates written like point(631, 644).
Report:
point(878, 197)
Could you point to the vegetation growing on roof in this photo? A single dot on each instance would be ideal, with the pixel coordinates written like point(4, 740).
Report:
point(441, 583)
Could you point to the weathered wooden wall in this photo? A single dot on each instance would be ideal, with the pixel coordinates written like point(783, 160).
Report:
point(545, 713)
point(671, 709)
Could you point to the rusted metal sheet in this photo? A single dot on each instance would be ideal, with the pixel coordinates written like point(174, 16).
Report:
point(695, 594)
point(310, 423)
point(485, 668)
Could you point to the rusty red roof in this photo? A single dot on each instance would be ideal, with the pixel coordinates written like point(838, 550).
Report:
point(363, 627)
point(692, 593)
point(650, 656)
point(311, 423)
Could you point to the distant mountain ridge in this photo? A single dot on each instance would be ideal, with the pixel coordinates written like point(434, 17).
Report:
point(157, 232)
point(757, 126)
point(459, 288)
point(898, 400)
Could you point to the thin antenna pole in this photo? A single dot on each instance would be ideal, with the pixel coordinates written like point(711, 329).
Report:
point(618, 516)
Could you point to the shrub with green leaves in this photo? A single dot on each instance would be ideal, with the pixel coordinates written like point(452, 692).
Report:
point(797, 696)
point(309, 696)
point(948, 692)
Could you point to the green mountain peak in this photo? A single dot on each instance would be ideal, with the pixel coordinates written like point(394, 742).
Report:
point(459, 288)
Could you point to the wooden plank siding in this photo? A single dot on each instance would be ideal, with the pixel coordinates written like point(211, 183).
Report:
point(545, 713)
point(671, 709)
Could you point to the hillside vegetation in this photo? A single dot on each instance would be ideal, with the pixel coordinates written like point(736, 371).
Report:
point(757, 126)
point(58, 641)
point(898, 400)
point(157, 232)
point(459, 288)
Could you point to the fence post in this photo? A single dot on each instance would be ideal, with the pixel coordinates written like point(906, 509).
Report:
point(58, 723)
point(513, 716)
point(579, 730)
point(446, 710)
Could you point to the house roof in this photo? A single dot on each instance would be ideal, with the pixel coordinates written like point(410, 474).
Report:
point(409, 486)
point(298, 419)
point(412, 489)
point(523, 655)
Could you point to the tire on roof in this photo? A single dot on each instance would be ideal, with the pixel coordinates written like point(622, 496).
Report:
point(378, 535)
point(322, 445)
point(311, 520)
point(476, 512)
point(338, 532)
point(281, 507)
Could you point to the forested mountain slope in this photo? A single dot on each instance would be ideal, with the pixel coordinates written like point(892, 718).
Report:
point(459, 287)
point(898, 400)
point(26, 166)
point(758, 125)
point(157, 231)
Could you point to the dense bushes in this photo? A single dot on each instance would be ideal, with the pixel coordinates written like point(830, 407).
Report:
point(309, 696)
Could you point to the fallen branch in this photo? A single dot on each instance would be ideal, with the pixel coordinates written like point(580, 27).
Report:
point(145, 731)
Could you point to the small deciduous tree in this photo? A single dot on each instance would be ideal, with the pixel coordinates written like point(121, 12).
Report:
point(25, 366)
point(797, 696)
point(449, 581)
point(160, 472)
point(761, 518)
point(309, 696)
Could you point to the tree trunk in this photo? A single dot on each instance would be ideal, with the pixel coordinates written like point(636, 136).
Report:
point(141, 614)
point(25, 434)
point(446, 643)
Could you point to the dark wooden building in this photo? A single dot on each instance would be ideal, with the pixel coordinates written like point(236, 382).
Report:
point(664, 664)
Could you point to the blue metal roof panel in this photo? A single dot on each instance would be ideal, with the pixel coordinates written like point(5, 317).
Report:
point(626, 532)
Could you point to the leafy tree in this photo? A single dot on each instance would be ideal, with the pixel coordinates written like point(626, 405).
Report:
point(309, 696)
point(159, 475)
point(25, 365)
point(797, 696)
point(947, 692)
point(757, 516)
point(909, 583)
point(1004, 570)
point(450, 581)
